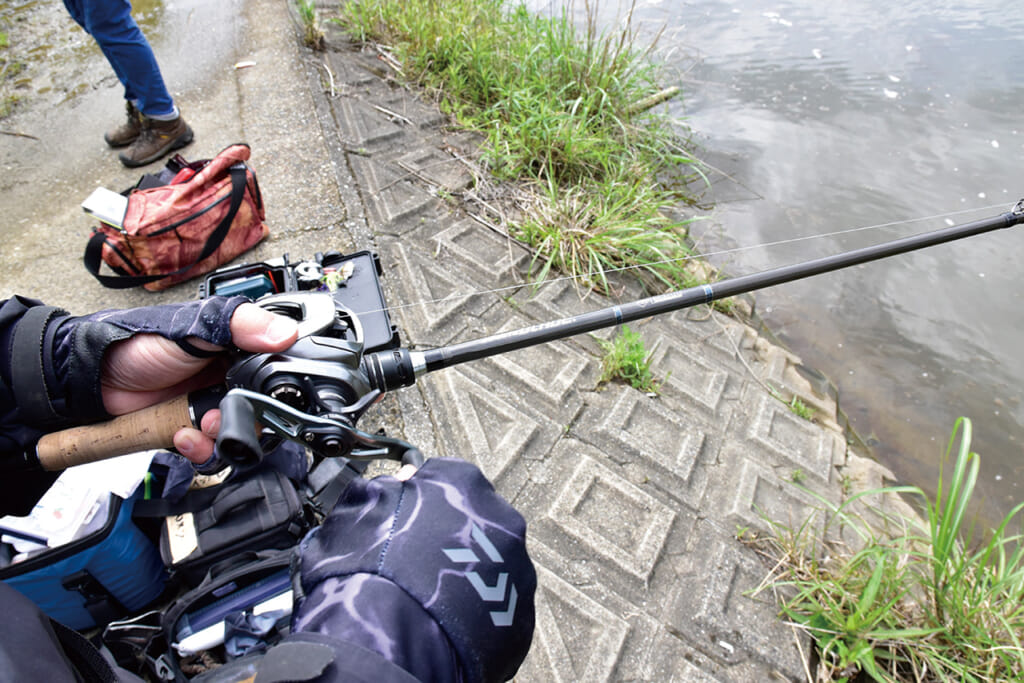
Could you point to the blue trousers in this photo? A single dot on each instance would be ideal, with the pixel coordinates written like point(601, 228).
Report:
point(111, 25)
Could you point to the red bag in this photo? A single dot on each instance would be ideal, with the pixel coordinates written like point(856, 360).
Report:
point(178, 231)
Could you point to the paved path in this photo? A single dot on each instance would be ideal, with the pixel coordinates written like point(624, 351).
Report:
point(633, 501)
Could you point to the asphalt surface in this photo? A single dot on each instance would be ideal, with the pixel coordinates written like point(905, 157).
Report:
point(633, 501)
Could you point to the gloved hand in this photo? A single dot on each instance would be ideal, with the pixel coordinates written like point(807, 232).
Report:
point(150, 368)
point(431, 573)
point(58, 371)
point(117, 361)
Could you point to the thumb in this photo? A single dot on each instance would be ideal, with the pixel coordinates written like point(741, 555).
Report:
point(256, 329)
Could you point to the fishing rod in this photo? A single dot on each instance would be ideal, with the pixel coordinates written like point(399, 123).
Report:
point(436, 359)
point(315, 392)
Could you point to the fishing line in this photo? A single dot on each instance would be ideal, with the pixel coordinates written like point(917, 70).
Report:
point(722, 252)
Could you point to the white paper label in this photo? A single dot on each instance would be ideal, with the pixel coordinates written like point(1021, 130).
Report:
point(181, 536)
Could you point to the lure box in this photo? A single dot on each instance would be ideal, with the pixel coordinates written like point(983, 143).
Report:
point(352, 279)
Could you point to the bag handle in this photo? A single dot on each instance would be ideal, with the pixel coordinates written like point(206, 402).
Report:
point(248, 562)
point(250, 491)
point(94, 249)
point(214, 502)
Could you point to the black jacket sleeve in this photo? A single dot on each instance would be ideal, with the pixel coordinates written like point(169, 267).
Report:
point(23, 323)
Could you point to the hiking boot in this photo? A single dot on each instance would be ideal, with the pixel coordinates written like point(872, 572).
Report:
point(156, 139)
point(127, 132)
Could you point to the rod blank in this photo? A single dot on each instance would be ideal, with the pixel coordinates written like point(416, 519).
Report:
point(436, 359)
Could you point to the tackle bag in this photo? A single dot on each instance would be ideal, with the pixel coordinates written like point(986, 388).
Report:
point(242, 606)
point(210, 212)
point(95, 579)
point(216, 631)
point(257, 510)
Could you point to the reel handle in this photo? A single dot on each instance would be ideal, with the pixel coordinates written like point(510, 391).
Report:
point(414, 457)
point(237, 440)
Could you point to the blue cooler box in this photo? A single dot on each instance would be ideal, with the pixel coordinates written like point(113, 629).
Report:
point(98, 578)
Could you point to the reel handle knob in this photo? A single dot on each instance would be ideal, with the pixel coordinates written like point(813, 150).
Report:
point(414, 457)
point(238, 439)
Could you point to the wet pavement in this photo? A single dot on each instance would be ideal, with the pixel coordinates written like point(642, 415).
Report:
point(633, 501)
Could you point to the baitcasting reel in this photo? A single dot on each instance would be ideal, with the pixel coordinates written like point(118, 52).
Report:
point(314, 393)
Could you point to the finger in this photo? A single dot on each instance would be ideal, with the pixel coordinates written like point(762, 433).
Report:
point(210, 423)
point(148, 361)
point(405, 472)
point(257, 329)
point(194, 445)
point(197, 445)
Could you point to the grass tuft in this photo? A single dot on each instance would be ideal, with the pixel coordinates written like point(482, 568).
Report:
point(906, 599)
point(795, 405)
point(627, 359)
point(801, 409)
point(313, 35)
point(571, 114)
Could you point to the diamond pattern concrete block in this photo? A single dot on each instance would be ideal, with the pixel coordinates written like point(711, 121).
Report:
point(414, 111)
point(588, 541)
point(613, 517)
point(360, 126)
point(782, 371)
point(557, 299)
point(437, 168)
point(714, 332)
point(548, 373)
point(758, 494)
point(688, 375)
point(721, 614)
point(683, 329)
point(349, 71)
point(656, 652)
point(444, 298)
point(392, 201)
point(669, 440)
point(576, 639)
point(494, 259)
point(806, 445)
point(712, 341)
point(497, 431)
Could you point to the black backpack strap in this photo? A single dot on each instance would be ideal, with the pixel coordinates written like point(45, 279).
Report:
point(94, 248)
point(314, 656)
point(84, 656)
point(193, 501)
point(329, 479)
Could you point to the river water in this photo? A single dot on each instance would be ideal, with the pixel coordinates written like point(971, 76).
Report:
point(862, 118)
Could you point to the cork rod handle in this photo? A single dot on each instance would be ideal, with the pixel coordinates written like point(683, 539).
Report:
point(152, 427)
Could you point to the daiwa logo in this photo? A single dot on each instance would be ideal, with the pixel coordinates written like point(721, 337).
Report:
point(495, 593)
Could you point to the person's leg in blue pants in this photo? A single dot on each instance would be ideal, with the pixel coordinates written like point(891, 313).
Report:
point(154, 126)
